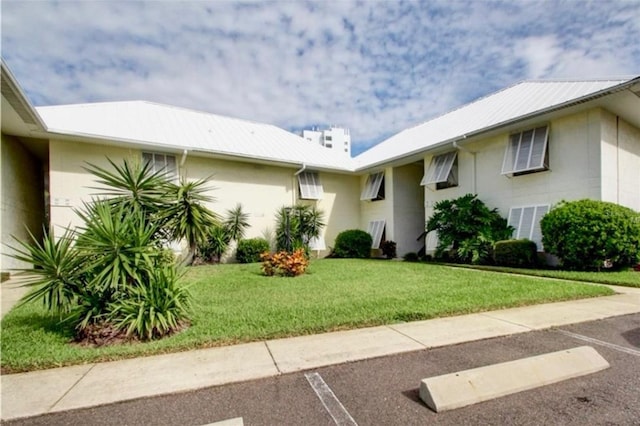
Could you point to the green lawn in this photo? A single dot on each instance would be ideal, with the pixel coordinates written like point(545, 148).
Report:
point(627, 278)
point(234, 303)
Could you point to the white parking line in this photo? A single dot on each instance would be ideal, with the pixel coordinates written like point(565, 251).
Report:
point(331, 403)
point(600, 342)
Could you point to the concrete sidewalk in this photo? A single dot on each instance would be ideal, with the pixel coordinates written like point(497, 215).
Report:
point(68, 388)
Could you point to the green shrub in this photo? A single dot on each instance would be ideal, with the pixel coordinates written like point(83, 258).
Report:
point(516, 253)
point(411, 257)
point(389, 249)
point(353, 243)
point(467, 229)
point(588, 234)
point(249, 251)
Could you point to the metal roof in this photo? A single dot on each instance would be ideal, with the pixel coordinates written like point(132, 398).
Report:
point(177, 128)
point(174, 128)
point(512, 104)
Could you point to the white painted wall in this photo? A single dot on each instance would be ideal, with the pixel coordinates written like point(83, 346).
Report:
point(620, 161)
point(261, 189)
point(22, 195)
point(408, 208)
point(574, 168)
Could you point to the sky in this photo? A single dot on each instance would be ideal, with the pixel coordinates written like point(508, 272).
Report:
point(375, 67)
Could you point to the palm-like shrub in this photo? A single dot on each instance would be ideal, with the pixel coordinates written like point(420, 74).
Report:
point(186, 217)
point(114, 272)
point(236, 222)
point(155, 308)
point(296, 226)
point(58, 274)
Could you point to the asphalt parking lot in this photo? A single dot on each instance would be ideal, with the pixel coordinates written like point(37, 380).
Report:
point(384, 391)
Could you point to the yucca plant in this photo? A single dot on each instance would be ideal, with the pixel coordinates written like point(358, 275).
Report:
point(154, 309)
point(186, 216)
point(116, 245)
point(236, 222)
point(133, 184)
point(296, 226)
point(58, 271)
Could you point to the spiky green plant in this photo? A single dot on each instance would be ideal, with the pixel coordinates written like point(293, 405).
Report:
point(186, 216)
point(58, 271)
point(296, 226)
point(154, 309)
point(236, 222)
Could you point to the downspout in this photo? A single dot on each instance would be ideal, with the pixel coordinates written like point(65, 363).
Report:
point(617, 159)
point(295, 176)
point(473, 163)
point(183, 159)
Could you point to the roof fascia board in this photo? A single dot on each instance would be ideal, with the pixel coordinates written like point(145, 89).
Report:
point(132, 143)
point(16, 90)
point(573, 102)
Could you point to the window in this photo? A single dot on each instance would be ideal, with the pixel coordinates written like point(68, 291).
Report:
point(310, 186)
point(443, 171)
point(376, 230)
point(328, 138)
point(328, 145)
point(161, 163)
point(526, 221)
point(374, 188)
point(527, 152)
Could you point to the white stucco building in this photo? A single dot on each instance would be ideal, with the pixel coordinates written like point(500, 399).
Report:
point(522, 150)
point(334, 137)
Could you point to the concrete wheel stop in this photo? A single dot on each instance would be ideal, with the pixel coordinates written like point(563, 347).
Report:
point(456, 390)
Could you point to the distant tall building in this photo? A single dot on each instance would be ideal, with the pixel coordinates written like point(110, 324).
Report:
point(336, 138)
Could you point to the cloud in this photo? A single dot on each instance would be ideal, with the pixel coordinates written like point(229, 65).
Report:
point(374, 67)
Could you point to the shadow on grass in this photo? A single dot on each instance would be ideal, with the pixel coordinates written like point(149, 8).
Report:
point(48, 323)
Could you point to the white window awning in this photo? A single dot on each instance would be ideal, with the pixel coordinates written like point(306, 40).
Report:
point(526, 151)
point(310, 186)
point(372, 187)
point(439, 169)
point(376, 229)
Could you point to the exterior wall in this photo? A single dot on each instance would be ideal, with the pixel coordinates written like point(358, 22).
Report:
point(574, 168)
point(381, 209)
point(261, 189)
point(22, 198)
point(620, 162)
point(408, 208)
point(69, 184)
point(340, 204)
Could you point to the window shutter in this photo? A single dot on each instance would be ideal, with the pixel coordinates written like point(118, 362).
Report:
point(439, 169)
point(310, 186)
point(526, 151)
point(376, 227)
point(372, 186)
point(526, 221)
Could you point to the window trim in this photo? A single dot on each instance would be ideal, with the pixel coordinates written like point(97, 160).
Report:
point(533, 233)
point(376, 229)
point(514, 153)
point(310, 186)
point(372, 188)
point(441, 171)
